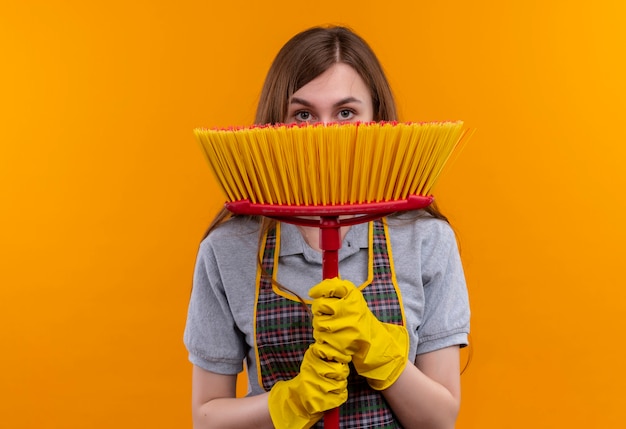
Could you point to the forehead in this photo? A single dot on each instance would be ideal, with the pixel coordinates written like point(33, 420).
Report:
point(340, 80)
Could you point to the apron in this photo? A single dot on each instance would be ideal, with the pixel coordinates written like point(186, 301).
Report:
point(283, 330)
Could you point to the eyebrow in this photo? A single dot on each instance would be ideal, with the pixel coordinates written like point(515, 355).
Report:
point(296, 100)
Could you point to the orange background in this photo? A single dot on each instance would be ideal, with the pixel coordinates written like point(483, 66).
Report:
point(105, 193)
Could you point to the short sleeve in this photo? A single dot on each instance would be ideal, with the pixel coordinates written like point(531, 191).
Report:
point(446, 305)
point(211, 336)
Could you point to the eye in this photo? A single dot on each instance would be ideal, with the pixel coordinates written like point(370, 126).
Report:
point(302, 116)
point(345, 115)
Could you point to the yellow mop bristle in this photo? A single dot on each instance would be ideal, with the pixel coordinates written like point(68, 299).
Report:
point(332, 164)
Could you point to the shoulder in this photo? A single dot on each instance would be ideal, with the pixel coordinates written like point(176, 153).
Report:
point(416, 235)
point(234, 231)
point(234, 238)
point(420, 225)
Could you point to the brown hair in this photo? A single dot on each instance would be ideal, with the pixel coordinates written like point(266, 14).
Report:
point(304, 57)
point(309, 54)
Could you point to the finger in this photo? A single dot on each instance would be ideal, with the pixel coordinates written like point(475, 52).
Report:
point(343, 341)
point(327, 352)
point(325, 306)
point(331, 288)
point(323, 371)
point(322, 337)
point(337, 387)
point(326, 362)
point(329, 324)
point(332, 370)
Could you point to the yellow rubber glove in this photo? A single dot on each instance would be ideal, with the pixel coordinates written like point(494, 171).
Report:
point(321, 385)
point(342, 319)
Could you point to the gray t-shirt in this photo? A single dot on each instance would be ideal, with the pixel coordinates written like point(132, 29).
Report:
point(219, 333)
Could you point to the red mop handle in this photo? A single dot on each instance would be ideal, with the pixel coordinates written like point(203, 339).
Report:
point(330, 243)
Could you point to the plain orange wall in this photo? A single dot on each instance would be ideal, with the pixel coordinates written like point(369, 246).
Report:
point(105, 193)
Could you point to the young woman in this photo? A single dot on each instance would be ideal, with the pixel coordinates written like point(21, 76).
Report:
point(383, 342)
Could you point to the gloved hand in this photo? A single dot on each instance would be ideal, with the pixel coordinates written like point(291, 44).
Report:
point(321, 385)
point(342, 319)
